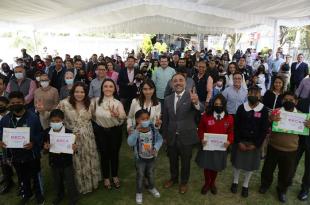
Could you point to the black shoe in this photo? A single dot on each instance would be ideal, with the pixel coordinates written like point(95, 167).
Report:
point(245, 192)
point(234, 188)
point(282, 197)
point(303, 195)
point(213, 190)
point(263, 189)
point(204, 190)
point(24, 201)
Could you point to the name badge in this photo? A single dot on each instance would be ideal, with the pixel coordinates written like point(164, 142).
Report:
point(257, 114)
point(211, 122)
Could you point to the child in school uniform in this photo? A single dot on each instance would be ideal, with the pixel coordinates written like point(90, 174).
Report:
point(250, 131)
point(61, 163)
point(215, 121)
point(146, 141)
point(26, 160)
point(7, 171)
point(281, 152)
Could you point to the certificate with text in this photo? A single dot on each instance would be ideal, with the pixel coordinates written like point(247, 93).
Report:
point(62, 143)
point(16, 137)
point(215, 142)
point(291, 122)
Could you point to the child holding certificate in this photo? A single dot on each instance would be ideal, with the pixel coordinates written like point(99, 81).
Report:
point(61, 163)
point(24, 127)
point(215, 121)
point(146, 141)
point(250, 131)
point(281, 152)
point(6, 168)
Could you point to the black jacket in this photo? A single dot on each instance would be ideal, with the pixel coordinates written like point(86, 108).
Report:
point(58, 160)
point(303, 106)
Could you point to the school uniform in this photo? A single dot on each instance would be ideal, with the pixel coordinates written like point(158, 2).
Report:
point(250, 128)
point(214, 161)
point(26, 162)
point(282, 152)
point(62, 170)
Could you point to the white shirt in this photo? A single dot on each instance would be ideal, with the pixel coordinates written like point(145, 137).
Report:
point(298, 64)
point(135, 106)
point(131, 74)
point(222, 115)
point(103, 115)
point(176, 100)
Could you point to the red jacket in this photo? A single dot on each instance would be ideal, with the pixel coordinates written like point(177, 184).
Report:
point(208, 124)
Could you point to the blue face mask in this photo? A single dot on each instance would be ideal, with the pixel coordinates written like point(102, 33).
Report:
point(56, 125)
point(69, 81)
point(145, 124)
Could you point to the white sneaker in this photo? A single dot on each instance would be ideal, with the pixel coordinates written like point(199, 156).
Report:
point(139, 198)
point(154, 192)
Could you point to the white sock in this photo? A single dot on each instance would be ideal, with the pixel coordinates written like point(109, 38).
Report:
point(236, 175)
point(247, 178)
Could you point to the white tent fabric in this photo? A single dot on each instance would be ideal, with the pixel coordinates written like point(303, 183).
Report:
point(152, 16)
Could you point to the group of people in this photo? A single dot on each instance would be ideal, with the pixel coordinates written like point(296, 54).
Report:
point(170, 100)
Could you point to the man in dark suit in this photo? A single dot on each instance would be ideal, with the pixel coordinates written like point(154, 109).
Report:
point(299, 70)
point(126, 82)
point(180, 130)
point(304, 147)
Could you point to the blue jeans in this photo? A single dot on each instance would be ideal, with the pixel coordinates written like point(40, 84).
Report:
point(145, 168)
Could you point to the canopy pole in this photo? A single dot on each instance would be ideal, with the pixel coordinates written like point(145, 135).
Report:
point(35, 41)
point(275, 35)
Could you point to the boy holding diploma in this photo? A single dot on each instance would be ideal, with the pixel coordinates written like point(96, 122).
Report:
point(61, 163)
point(26, 160)
point(281, 152)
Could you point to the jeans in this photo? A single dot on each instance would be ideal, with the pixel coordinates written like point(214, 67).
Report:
point(144, 166)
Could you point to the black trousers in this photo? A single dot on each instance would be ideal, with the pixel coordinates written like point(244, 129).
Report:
point(7, 172)
point(26, 172)
point(184, 152)
point(63, 177)
point(109, 142)
point(304, 148)
point(286, 164)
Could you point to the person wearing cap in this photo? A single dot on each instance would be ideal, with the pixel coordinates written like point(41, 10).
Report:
point(250, 131)
point(49, 68)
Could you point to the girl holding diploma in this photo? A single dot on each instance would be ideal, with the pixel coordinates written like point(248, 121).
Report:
point(215, 121)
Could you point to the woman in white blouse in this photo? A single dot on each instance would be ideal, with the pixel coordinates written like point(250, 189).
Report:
point(108, 116)
point(148, 101)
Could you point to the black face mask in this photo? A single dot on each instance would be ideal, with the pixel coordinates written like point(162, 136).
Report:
point(288, 105)
point(17, 108)
point(253, 100)
point(218, 109)
point(2, 109)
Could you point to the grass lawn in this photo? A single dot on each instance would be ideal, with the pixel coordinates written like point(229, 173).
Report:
point(126, 195)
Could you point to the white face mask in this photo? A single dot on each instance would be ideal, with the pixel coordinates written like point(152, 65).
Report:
point(38, 79)
point(19, 76)
point(56, 125)
point(44, 84)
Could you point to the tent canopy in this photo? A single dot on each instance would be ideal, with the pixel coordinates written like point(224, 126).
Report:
point(152, 16)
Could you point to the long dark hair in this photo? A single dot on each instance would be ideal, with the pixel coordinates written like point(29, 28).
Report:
point(101, 91)
point(86, 100)
point(210, 109)
point(280, 78)
point(141, 97)
point(232, 63)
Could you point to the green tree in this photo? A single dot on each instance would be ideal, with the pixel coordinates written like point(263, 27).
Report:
point(147, 45)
